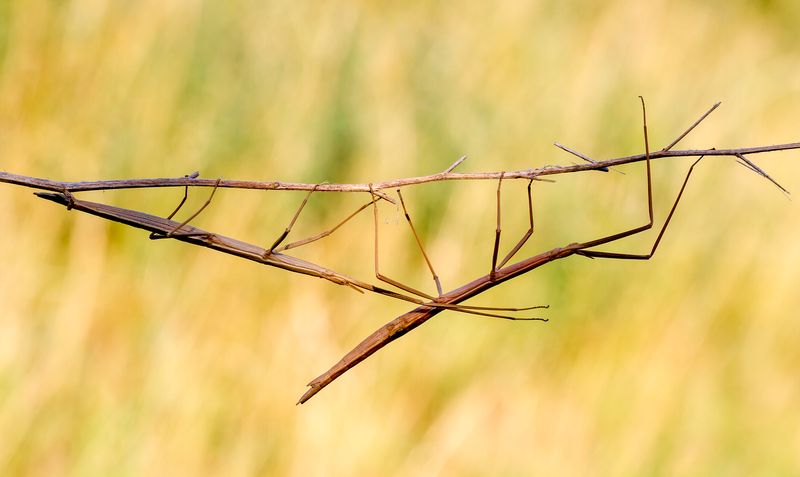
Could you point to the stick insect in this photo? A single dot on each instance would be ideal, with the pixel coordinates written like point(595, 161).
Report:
point(163, 228)
point(427, 305)
point(500, 273)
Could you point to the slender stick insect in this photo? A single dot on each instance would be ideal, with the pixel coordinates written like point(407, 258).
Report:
point(499, 274)
point(160, 228)
point(501, 270)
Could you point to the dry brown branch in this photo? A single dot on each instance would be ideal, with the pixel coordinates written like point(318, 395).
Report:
point(536, 173)
point(427, 306)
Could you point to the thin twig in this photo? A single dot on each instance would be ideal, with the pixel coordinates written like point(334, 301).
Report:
point(455, 164)
point(694, 125)
point(753, 167)
point(536, 174)
point(581, 155)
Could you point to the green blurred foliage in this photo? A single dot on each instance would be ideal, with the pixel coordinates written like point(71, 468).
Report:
point(121, 356)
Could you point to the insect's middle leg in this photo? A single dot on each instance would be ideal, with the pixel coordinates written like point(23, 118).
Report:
point(495, 265)
point(378, 274)
point(175, 232)
point(288, 228)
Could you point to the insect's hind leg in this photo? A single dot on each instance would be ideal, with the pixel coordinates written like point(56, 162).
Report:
point(646, 256)
point(641, 228)
point(469, 309)
point(612, 238)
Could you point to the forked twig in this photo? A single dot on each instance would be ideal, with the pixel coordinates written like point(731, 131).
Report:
point(427, 305)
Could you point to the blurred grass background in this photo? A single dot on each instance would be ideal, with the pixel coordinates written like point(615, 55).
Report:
point(121, 356)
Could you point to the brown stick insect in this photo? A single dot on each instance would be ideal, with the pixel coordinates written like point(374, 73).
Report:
point(428, 305)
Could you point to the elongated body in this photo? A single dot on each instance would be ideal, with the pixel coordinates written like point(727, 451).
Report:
point(196, 236)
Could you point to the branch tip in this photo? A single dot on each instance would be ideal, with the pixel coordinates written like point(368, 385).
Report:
point(753, 167)
point(694, 125)
point(578, 154)
point(455, 164)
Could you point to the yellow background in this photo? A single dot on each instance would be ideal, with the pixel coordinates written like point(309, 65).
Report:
point(121, 356)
